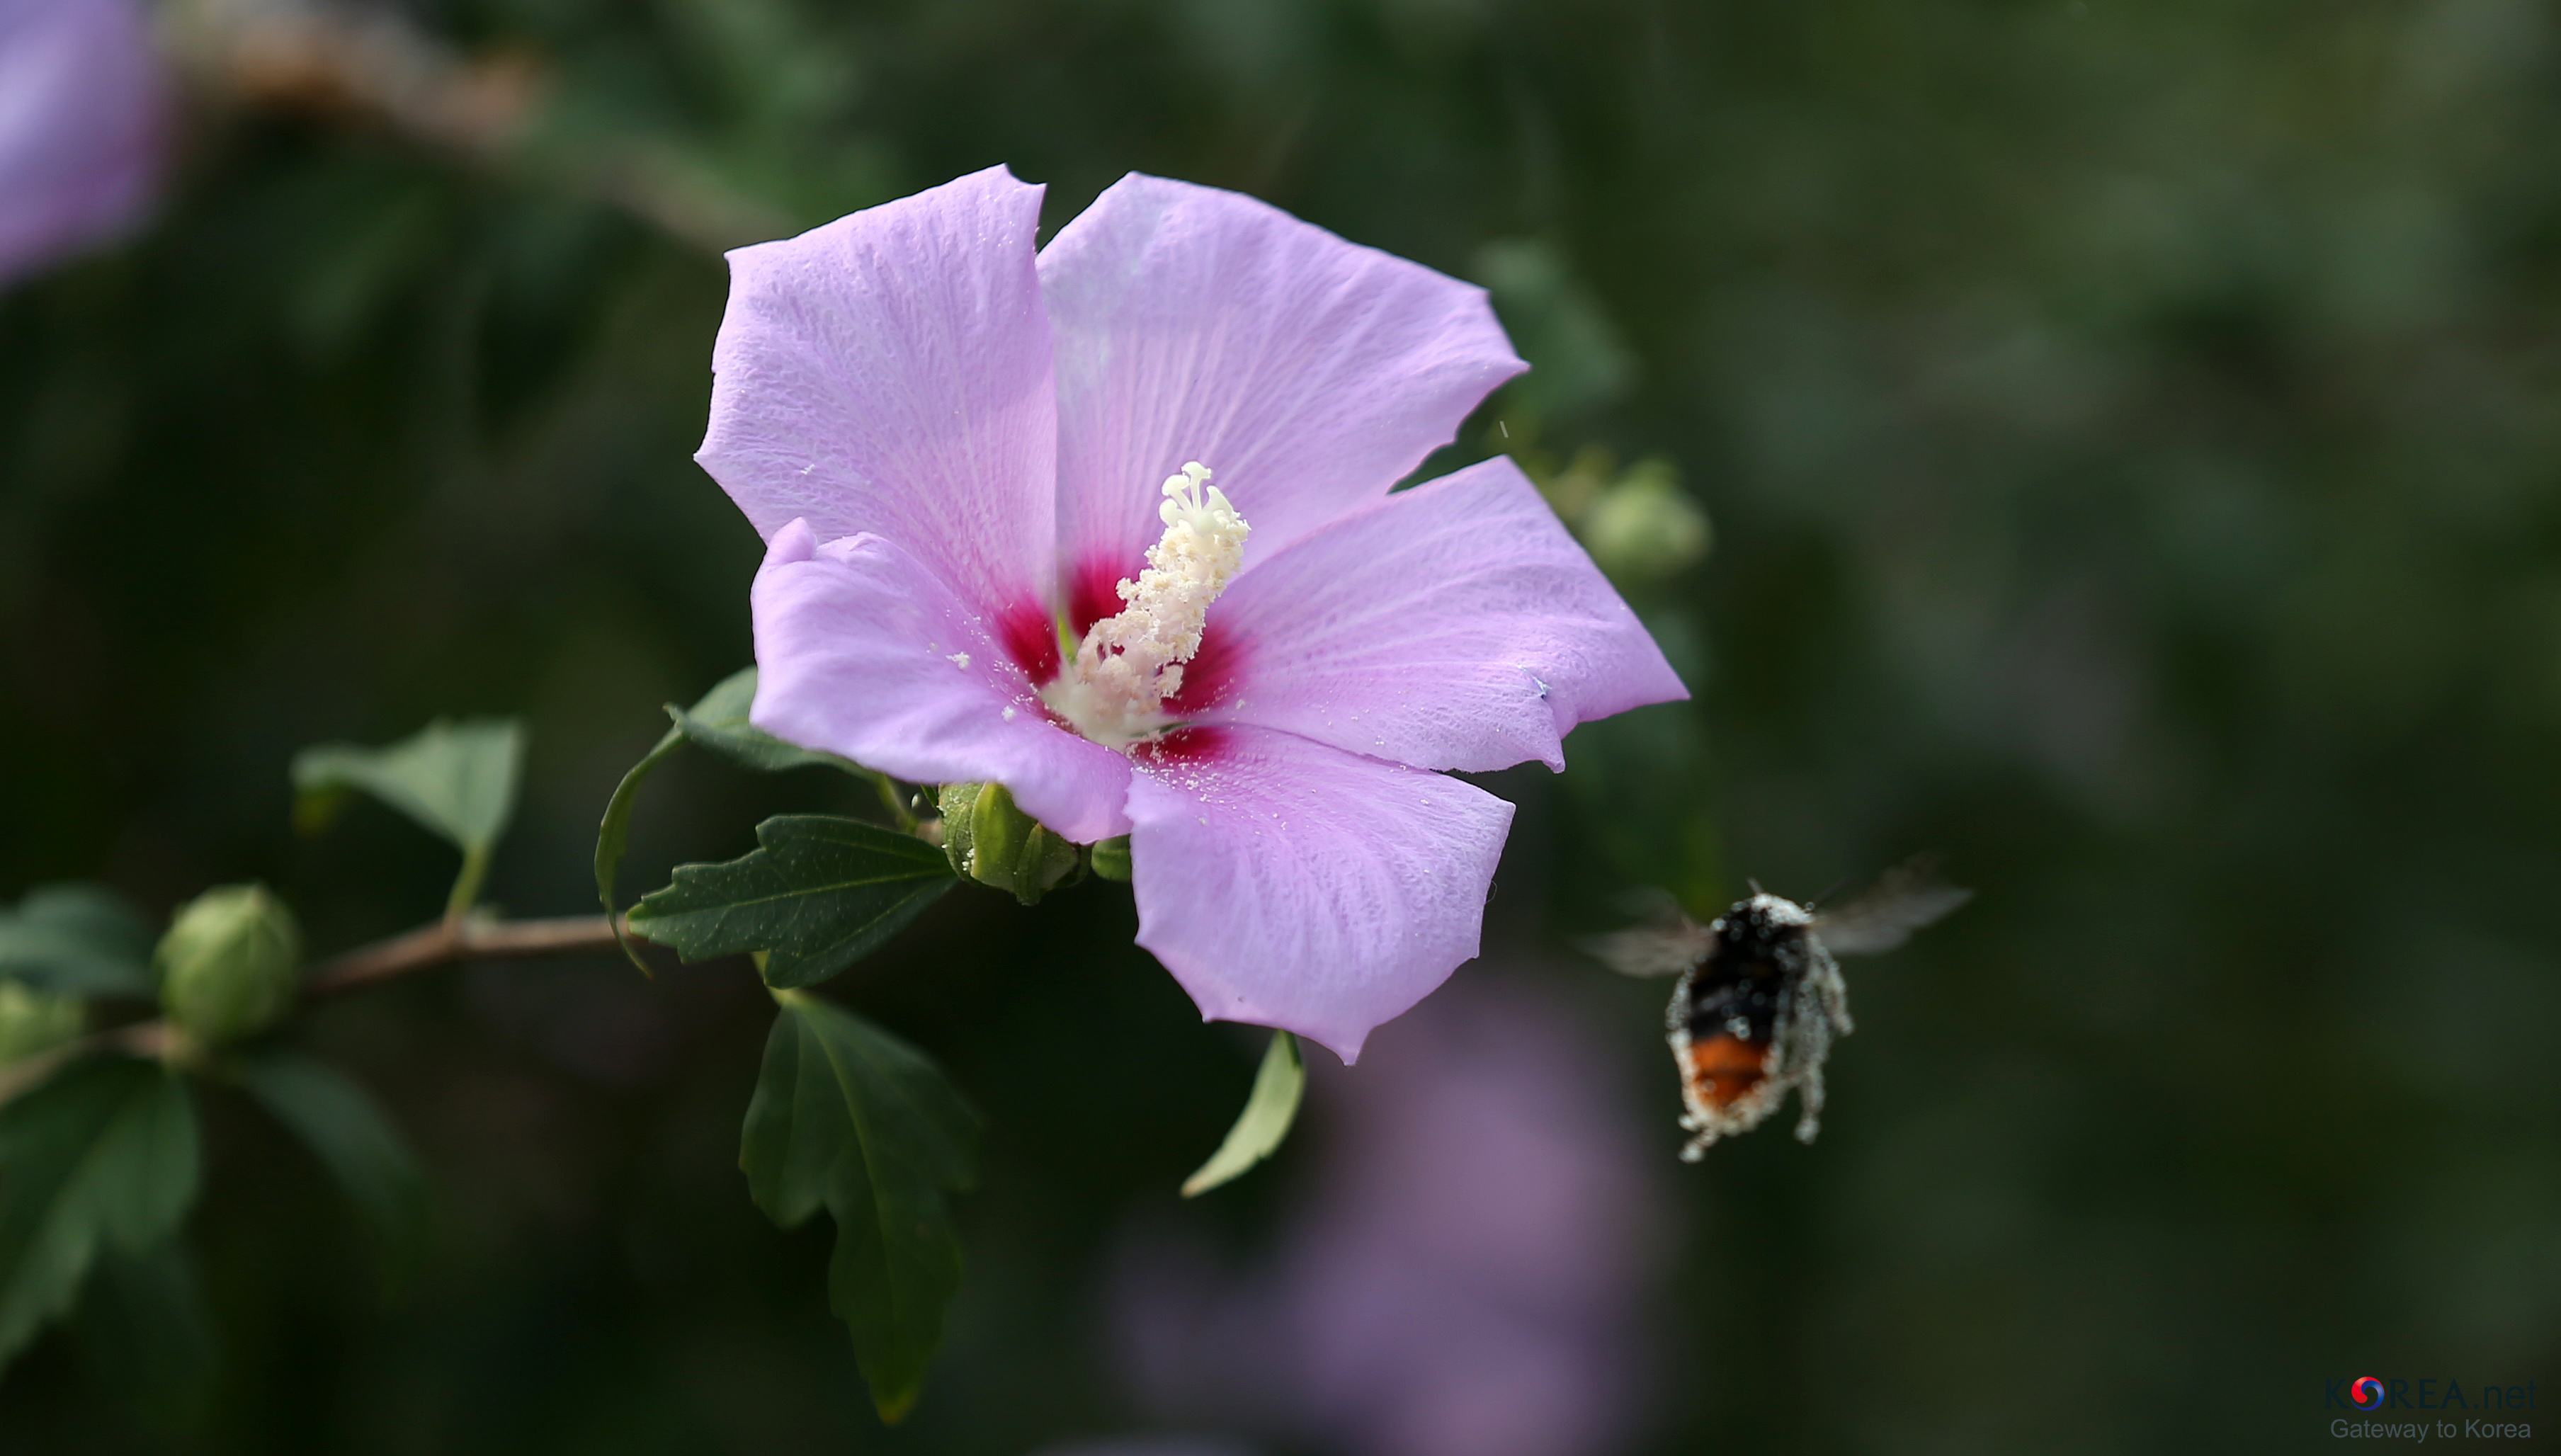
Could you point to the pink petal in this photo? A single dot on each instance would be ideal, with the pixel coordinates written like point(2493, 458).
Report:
point(863, 651)
point(889, 373)
point(1309, 373)
point(1454, 625)
point(1291, 885)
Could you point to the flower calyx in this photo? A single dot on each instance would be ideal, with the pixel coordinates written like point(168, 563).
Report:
point(990, 840)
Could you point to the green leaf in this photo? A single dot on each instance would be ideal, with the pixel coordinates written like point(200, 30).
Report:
point(78, 941)
point(359, 1144)
point(819, 895)
point(103, 1157)
point(458, 779)
point(1269, 1110)
point(613, 837)
point(849, 1118)
point(719, 723)
point(144, 1333)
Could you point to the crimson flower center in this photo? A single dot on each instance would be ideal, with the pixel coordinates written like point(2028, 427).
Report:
point(1115, 689)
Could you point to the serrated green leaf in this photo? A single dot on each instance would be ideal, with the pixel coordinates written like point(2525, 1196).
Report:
point(820, 894)
point(360, 1146)
point(144, 1333)
point(719, 723)
point(77, 940)
point(103, 1157)
point(458, 779)
point(1269, 1110)
point(849, 1118)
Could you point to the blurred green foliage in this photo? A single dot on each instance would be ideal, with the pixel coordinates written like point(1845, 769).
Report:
point(2131, 438)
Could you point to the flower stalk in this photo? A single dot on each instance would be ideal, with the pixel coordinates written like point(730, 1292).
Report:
point(439, 943)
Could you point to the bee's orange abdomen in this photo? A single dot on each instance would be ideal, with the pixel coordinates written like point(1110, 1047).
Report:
point(1724, 1068)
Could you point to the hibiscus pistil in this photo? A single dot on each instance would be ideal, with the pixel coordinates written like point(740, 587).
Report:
point(1115, 692)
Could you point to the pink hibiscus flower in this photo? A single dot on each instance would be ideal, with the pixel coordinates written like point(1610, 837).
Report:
point(995, 552)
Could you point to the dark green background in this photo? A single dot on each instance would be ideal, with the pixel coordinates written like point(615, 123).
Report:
point(2133, 433)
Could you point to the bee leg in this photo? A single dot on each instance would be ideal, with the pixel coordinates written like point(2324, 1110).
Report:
point(1810, 1104)
point(1834, 993)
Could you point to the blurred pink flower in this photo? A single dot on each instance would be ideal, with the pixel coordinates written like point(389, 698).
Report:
point(83, 122)
point(1146, 1446)
point(953, 447)
point(1468, 1277)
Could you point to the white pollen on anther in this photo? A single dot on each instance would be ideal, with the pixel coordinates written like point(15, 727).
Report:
point(1115, 691)
point(960, 658)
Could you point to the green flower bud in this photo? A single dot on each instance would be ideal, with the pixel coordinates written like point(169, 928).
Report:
point(1644, 525)
point(992, 841)
point(229, 964)
point(1110, 859)
point(34, 1021)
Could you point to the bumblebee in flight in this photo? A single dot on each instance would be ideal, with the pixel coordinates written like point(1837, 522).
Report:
point(1759, 996)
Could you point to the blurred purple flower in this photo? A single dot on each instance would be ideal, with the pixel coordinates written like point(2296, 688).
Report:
point(83, 122)
point(1146, 1446)
point(952, 447)
point(1468, 1278)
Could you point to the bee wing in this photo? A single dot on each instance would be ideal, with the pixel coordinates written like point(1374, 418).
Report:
point(1902, 900)
point(1667, 946)
point(1651, 951)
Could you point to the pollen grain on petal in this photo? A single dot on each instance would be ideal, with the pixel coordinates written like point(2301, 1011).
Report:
point(1030, 636)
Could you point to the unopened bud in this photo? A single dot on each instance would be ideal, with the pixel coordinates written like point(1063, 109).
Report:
point(992, 841)
point(34, 1021)
point(1644, 525)
point(227, 964)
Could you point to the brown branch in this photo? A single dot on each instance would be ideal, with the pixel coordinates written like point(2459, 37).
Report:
point(452, 940)
point(496, 111)
point(420, 949)
point(137, 1039)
